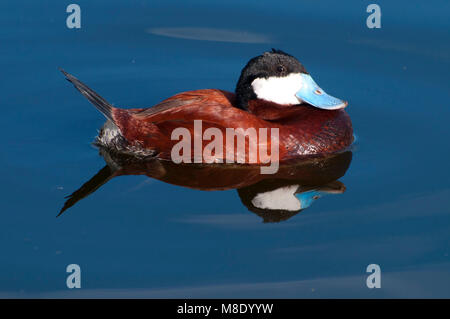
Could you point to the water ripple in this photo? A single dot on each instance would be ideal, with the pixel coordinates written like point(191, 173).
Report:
point(210, 34)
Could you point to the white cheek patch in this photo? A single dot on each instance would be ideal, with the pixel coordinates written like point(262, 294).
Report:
point(281, 198)
point(280, 90)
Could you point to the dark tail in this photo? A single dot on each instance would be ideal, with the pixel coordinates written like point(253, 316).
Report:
point(102, 177)
point(100, 103)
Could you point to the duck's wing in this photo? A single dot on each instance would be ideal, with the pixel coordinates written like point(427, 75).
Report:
point(151, 125)
point(169, 104)
point(144, 124)
point(154, 128)
point(194, 100)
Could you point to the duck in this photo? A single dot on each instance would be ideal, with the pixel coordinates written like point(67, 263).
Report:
point(274, 92)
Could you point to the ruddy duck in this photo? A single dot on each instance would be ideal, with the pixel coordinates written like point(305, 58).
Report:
point(274, 91)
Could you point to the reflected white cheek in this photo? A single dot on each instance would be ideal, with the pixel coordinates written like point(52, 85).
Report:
point(279, 90)
point(280, 198)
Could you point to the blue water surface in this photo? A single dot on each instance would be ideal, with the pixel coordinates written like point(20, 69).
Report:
point(140, 237)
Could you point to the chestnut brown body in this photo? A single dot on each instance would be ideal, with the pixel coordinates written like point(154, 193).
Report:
point(303, 130)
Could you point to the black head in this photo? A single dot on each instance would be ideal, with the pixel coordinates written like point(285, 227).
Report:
point(270, 64)
point(280, 78)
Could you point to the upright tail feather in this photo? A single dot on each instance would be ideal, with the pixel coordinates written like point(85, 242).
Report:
point(100, 103)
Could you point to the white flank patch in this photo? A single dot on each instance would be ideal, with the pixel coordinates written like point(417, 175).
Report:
point(281, 198)
point(280, 90)
point(109, 132)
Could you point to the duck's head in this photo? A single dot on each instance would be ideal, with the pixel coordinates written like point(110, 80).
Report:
point(280, 78)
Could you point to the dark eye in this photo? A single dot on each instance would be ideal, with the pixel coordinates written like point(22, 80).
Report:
point(281, 68)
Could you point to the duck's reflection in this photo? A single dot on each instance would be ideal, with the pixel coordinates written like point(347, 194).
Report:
point(279, 200)
point(275, 197)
